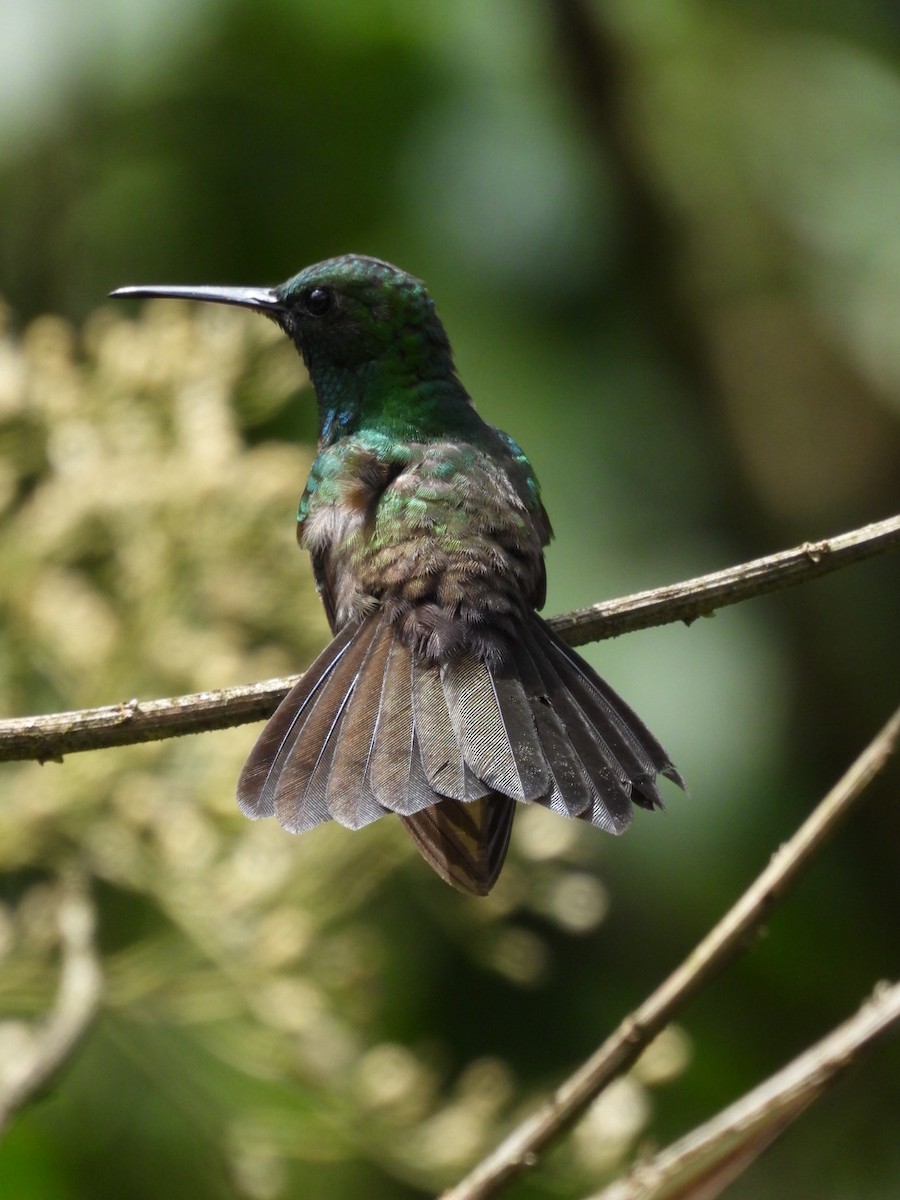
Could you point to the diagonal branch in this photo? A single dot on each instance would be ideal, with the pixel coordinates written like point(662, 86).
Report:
point(734, 932)
point(704, 1162)
point(50, 737)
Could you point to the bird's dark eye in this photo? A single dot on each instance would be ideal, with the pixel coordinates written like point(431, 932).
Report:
point(318, 301)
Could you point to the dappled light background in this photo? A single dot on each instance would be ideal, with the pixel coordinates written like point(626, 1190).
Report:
point(664, 238)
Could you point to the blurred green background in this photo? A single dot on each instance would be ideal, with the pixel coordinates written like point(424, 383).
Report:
point(664, 238)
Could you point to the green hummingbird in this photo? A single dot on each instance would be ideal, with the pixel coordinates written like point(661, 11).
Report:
point(443, 697)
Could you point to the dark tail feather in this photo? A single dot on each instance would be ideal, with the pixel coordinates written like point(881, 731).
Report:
point(492, 719)
point(303, 772)
point(262, 770)
point(465, 844)
point(572, 793)
point(373, 728)
point(447, 770)
point(349, 796)
point(398, 777)
point(343, 743)
point(621, 756)
point(627, 735)
point(610, 803)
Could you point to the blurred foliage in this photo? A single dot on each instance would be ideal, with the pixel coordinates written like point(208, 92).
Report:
point(664, 240)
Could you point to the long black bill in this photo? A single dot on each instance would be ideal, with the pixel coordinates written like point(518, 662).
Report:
point(263, 300)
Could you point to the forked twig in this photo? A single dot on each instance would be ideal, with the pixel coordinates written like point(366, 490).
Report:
point(707, 1160)
point(520, 1150)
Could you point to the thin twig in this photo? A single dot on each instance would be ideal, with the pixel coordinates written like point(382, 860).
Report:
point(48, 738)
point(519, 1151)
point(44, 1051)
point(707, 1160)
point(701, 596)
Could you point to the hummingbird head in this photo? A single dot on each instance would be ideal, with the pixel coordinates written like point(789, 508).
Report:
point(353, 311)
point(345, 314)
point(370, 336)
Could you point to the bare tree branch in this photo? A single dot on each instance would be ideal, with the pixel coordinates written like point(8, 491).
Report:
point(704, 1162)
point(42, 1052)
point(47, 738)
point(702, 596)
point(734, 932)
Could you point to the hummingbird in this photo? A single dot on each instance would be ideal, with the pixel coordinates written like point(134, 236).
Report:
point(444, 697)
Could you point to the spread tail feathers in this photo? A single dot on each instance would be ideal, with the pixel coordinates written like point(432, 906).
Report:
point(372, 727)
